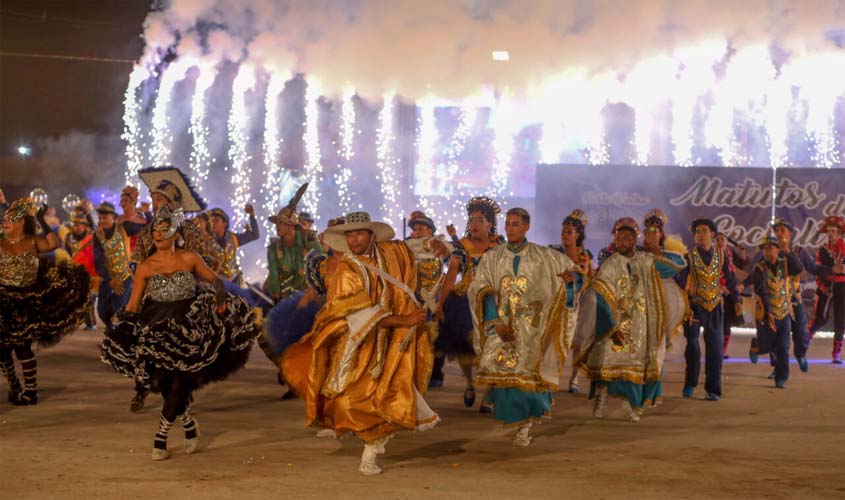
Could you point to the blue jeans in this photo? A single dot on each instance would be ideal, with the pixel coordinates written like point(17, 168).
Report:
point(713, 323)
point(109, 303)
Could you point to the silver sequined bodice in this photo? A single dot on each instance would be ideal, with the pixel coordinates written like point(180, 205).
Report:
point(180, 285)
point(18, 270)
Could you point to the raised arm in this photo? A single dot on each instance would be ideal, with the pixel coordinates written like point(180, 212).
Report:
point(50, 241)
point(251, 233)
point(448, 282)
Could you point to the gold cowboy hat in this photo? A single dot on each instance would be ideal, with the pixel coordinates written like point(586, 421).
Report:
point(335, 236)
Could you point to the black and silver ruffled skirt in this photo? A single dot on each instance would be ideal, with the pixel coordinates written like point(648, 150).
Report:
point(185, 337)
point(48, 310)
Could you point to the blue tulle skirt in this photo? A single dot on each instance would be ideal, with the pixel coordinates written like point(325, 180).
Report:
point(248, 294)
point(455, 331)
point(286, 323)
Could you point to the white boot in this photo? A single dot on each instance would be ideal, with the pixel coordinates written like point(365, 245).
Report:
point(326, 433)
point(522, 438)
point(368, 466)
point(191, 444)
point(160, 454)
point(600, 404)
point(628, 410)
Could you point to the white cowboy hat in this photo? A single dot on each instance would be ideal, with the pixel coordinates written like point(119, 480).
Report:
point(335, 236)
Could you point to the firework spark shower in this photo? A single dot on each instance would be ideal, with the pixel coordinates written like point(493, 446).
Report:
point(640, 82)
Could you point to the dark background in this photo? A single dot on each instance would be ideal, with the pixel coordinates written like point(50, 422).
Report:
point(67, 111)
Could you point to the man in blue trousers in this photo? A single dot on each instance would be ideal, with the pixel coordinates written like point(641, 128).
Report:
point(706, 266)
point(111, 260)
point(772, 279)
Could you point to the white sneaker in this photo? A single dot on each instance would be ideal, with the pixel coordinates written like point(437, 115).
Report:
point(630, 414)
point(159, 454)
point(368, 466)
point(522, 438)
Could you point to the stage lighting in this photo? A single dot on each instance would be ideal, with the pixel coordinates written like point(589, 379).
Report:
point(24, 150)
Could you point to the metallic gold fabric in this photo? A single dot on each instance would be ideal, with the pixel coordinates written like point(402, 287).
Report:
point(473, 254)
point(703, 284)
point(76, 244)
point(116, 252)
point(795, 287)
point(533, 303)
point(353, 376)
point(429, 270)
point(18, 270)
point(226, 256)
point(778, 289)
point(638, 302)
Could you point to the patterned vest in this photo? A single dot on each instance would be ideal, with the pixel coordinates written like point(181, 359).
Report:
point(778, 289)
point(703, 285)
point(116, 251)
point(226, 255)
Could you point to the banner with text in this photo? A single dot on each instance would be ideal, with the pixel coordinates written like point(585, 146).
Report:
point(738, 199)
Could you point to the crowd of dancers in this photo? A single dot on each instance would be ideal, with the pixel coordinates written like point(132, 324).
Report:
point(360, 324)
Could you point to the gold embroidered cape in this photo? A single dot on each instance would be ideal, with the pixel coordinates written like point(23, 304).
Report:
point(533, 303)
point(353, 376)
point(641, 316)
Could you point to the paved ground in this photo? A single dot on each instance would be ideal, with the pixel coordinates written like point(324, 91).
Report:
point(758, 442)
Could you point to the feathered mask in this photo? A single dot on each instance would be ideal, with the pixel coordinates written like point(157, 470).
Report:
point(168, 220)
point(19, 209)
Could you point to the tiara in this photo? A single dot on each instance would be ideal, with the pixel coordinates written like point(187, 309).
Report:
point(578, 215)
point(485, 202)
point(655, 214)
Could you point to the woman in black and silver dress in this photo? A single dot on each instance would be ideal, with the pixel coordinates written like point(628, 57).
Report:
point(177, 334)
point(40, 301)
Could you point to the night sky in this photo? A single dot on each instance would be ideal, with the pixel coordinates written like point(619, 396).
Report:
point(43, 99)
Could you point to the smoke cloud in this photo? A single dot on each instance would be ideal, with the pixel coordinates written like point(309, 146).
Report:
point(443, 48)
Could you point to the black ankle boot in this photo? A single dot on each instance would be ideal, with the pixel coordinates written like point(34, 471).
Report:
point(28, 397)
point(15, 391)
point(14, 395)
point(137, 403)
